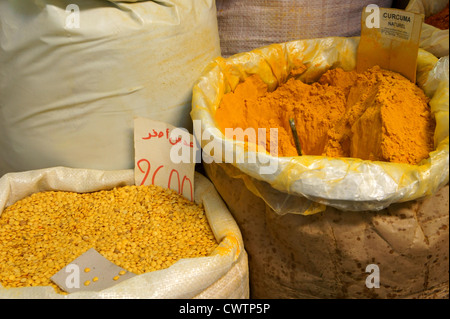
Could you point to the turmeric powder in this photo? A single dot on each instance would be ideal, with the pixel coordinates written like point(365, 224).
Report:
point(375, 115)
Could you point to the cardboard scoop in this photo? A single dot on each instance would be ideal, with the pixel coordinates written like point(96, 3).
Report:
point(390, 39)
point(90, 272)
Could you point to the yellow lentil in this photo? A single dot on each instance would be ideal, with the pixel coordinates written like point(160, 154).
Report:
point(139, 228)
point(94, 279)
point(116, 278)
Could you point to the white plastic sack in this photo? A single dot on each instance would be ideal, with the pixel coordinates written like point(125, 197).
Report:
point(74, 74)
point(305, 184)
point(432, 39)
point(222, 275)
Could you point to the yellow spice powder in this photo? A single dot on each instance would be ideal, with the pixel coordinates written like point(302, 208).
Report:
point(375, 115)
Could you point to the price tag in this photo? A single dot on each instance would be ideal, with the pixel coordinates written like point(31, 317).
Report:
point(164, 156)
point(390, 39)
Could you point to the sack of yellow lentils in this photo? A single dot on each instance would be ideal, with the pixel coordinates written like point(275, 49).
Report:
point(175, 248)
point(351, 213)
point(245, 25)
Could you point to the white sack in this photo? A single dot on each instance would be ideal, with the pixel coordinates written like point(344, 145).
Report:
point(221, 275)
point(68, 94)
point(245, 25)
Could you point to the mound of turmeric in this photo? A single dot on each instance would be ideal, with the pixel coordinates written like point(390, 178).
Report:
point(377, 115)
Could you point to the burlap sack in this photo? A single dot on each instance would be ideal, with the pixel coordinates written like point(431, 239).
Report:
point(248, 24)
point(325, 255)
point(222, 275)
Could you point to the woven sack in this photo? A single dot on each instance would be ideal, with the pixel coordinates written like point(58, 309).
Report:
point(248, 24)
point(222, 275)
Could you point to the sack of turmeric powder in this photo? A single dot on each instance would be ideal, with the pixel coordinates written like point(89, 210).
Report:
point(434, 37)
point(308, 184)
point(220, 275)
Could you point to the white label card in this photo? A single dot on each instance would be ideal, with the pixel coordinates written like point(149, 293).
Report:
point(164, 156)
